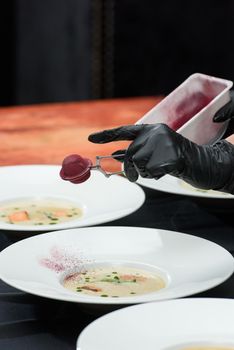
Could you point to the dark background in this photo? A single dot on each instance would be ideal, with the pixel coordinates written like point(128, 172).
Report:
point(70, 50)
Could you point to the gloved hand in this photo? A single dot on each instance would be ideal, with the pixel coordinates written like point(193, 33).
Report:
point(157, 150)
point(227, 111)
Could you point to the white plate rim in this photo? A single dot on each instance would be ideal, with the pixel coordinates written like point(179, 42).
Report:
point(199, 287)
point(171, 184)
point(95, 220)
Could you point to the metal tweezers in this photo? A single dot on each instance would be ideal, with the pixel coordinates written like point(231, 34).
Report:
point(98, 166)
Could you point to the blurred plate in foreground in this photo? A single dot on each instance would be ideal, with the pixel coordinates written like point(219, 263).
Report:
point(183, 324)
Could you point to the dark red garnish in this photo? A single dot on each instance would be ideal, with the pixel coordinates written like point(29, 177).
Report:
point(75, 169)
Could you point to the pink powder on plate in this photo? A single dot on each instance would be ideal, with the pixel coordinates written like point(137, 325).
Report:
point(62, 259)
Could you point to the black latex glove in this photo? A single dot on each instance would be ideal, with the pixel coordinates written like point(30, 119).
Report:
point(227, 111)
point(157, 150)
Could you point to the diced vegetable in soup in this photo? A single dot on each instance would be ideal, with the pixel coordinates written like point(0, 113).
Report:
point(38, 212)
point(114, 282)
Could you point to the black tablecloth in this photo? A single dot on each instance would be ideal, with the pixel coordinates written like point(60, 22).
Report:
point(28, 322)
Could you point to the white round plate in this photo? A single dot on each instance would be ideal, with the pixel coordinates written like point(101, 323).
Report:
point(101, 199)
point(187, 263)
point(171, 184)
point(167, 325)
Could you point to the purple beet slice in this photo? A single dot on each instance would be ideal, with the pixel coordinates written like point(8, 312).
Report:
point(76, 169)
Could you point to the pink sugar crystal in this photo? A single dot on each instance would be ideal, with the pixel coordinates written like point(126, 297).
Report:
point(62, 259)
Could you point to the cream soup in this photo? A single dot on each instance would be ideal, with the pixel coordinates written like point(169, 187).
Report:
point(114, 282)
point(38, 212)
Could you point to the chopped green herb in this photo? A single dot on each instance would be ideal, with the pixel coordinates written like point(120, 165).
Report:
point(104, 295)
point(107, 280)
point(50, 216)
point(110, 280)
